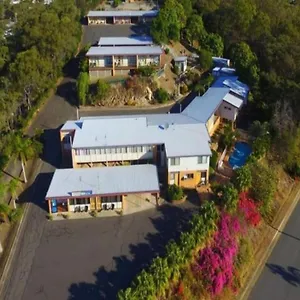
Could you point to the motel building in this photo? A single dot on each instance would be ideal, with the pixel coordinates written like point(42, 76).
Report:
point(118, 160)
point(120, 17)
point(96, 189)
point(105, 61)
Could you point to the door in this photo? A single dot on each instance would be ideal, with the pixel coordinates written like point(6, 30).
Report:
point(53, 206)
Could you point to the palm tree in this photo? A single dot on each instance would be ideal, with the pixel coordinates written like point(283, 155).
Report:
point(24, 148)
point(13, 187)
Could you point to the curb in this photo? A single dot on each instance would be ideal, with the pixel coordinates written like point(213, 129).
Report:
point(118, 108)
point(13, 249)
point(259, 268)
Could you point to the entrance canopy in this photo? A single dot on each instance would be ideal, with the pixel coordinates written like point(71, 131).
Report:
point(104, 181)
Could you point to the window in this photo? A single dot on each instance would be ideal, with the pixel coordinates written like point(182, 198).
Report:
point(87, 151)
point(190, 176)
point(124, 150)
point(107, 150)
point(175, 161)
point(93, 151)
point(113, 150)
point(118, 150)
point(226, 107)
point(172, 176)
point(129, 150)
point(98, 151)
point(202, 159)
point(139, 149)
point(77, 152)
point(102, 151)
point(79, 201)
point(134, 149)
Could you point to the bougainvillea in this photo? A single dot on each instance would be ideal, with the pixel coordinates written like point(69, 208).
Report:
point(249, 210)
point(215, 264)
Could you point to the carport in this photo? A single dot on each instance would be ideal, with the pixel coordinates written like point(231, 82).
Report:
point(104, 188)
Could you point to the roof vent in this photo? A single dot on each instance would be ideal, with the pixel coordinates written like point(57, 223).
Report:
point(164, 127)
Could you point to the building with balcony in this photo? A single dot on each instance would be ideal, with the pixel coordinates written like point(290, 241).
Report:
point(114, 157)
point(107, 61)
point(120, 17)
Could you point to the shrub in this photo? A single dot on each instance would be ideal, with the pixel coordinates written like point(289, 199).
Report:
point(15, 215)
point(66, 216)
point(243, 178)
point(116, 3)
point(50, 217)
point(175, 192)
point(228, 137)
point(176, 70)
point(94, 213)
point(146, 71)
point(184, 89)
point(261, 146)
point(167, 50)
point(102, 89)
point(161, 95)
point(216, 262)
point(230, 197)
point(258, 129)
point(249, 209)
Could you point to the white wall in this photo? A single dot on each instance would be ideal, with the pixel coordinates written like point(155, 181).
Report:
point(188, 164)
point(113, 157)
point(229, 114)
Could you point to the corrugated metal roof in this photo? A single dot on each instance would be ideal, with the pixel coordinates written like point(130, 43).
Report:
point(233, 100)
point(135, 50)
point(152, 119)
point(180, 58)
point(72, 125)
point(202, 108)
point(134, 40)
point(179, 139)
point(221, 61)
point(123, 13)
point(104, 181)
point(235, 86)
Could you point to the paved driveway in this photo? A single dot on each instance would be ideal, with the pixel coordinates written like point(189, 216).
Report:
point(94, 258)
point(280, 279)
point(92, 34)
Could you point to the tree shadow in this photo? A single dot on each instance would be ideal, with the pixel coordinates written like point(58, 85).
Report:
point(51, 153)
point(110, 279)
point(37, 191)
point(140, 29)
point(289, 274)
point(179, 107)
point(67, 91)
point(285, 233)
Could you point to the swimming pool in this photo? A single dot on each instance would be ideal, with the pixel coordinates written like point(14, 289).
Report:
point(239, 155)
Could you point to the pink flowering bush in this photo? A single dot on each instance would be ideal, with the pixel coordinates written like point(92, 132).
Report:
point(249, 210)
point(215, 264)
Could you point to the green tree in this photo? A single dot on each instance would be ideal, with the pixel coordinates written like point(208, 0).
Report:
point(230, 197)
point(264, 182)
point(102, 89)
point(243, 178)
point(13, 188)
point(82, 87)
point(24, 148)
point(175, 192)
point(195, 30)
point(169, 22)
point(261, 146)
point(228, 137)
point(214, 43)
point(245, 62)
point(205, 59)
point(258, 129)
point(146, 71)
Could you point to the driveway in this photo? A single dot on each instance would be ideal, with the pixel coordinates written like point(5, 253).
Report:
point(280, 278)
point(93, 259)
point(92, 33)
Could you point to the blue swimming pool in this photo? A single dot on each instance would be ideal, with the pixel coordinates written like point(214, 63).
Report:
point(239, 155)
